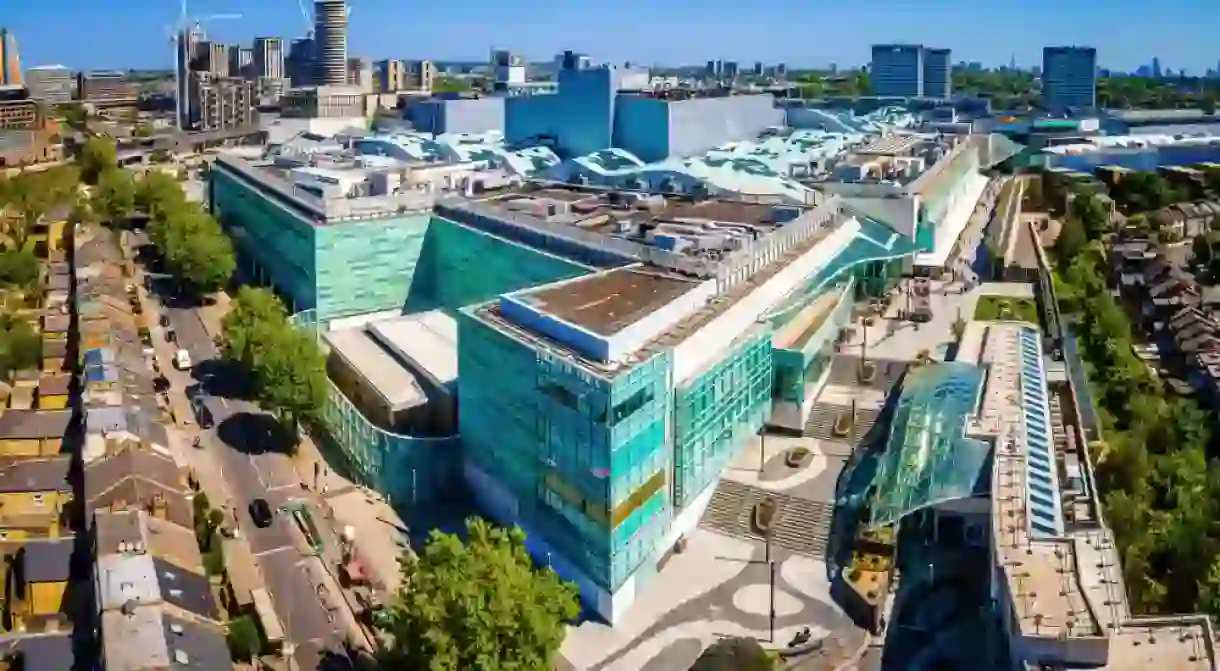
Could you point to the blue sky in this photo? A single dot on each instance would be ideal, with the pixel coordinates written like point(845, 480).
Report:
point(1127, 33)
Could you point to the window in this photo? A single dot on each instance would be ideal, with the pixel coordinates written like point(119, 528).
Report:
point(38, 500)
point(628, 407)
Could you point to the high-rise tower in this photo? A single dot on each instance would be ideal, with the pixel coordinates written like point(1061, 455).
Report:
point(10, 63)
point(330, 40)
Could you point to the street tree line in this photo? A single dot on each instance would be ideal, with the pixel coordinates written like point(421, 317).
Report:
point(188, 240)
point(284, 364)
point(1156, 466)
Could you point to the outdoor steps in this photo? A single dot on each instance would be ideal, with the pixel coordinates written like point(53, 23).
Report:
point(822, 418)
point(802, 526)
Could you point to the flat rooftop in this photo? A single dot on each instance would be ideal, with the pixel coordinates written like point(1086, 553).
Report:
point(607, 303)
point(891, 145)
point(1066, 586)
point(687, 226)
point(396, 384)
point(427, 341)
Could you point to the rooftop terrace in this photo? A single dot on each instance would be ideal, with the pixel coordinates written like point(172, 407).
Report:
point(1062, 574)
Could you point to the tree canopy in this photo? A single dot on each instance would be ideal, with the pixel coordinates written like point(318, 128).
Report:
point(20, 346)
point(1159, 479)
point(196, 251)
point(96, 156)
point(285, 365)
point(481, 605)
point(114, 196)
point(734, 654)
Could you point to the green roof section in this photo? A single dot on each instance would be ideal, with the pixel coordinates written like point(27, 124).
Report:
point(928, 457)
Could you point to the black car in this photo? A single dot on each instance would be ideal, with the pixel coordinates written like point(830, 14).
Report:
point(260, 512)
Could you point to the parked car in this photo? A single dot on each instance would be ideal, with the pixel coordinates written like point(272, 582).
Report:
point(182, 360)
point(260, 512)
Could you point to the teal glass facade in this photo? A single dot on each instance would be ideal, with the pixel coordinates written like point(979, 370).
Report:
point(718, 411)
point(578, 460)
point(410, 262)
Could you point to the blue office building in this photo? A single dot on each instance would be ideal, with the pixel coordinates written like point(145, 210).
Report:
point(606, 107)
point(937, 74)
point(897, 70)
point(1069, 78)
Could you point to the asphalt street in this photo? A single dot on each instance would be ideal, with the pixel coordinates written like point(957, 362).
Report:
point(240, 440)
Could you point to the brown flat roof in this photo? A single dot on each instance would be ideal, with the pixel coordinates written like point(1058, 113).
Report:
point(756, 214)
point(609, 302)
point(565, 195)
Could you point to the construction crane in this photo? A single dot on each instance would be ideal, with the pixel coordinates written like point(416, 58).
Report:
point(305, 16)
point(177, 33)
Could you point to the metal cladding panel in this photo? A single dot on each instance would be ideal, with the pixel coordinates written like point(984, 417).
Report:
point(460, 266)
point(479, 115)
point(368, 266)
point(697, 125)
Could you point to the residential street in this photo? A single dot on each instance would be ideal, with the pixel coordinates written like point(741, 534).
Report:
point(240, 452)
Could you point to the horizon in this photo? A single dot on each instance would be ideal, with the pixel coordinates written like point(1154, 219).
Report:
point(1178, 32)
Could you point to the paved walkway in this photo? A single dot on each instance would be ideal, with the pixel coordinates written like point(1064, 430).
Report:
point(718, 587)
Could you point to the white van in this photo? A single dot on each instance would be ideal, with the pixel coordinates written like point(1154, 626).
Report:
point(182, 360)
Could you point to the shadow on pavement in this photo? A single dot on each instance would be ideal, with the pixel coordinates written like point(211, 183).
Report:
point(254, 433)
point(223, 378)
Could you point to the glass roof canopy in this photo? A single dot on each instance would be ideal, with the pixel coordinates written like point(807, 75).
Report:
point(928, 458)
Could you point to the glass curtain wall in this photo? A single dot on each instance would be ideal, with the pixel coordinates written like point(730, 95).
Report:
point(717, 412)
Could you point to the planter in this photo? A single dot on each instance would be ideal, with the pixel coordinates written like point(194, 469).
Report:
point(843, 425)
point(764, 515)
point(798, 457)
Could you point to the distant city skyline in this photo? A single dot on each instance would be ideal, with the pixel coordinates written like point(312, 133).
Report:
point(1177, 32)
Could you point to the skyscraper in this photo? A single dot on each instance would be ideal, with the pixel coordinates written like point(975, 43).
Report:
point(299, 65)
point(187, 57)
point(330, 41)
point(897, 70)
point(269, 57)
point(1069, 78)
point(241, 61)
point(10, 63)
point(937, 74)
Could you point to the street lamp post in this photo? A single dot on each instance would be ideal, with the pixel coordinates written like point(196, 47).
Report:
point(762, 450)
point(771, 588)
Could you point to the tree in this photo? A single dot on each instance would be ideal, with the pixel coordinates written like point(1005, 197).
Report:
point(19, 268)
point(290, 377)
point(158, 193)
point(1071, 240)
point(114, 197)
point(33, 195)
point(197, 253)
point(96, 156)
point(735, 654)
point(254, 316)
point(20, 346)
point(244, 640)
point(478, 605)
point(73, 115)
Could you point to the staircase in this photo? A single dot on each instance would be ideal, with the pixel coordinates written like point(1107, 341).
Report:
point(822, 418)
point(800, 526)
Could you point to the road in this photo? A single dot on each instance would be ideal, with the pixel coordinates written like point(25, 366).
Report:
point(239, 440)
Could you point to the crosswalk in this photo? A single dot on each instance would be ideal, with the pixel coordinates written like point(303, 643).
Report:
point(801, 526)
